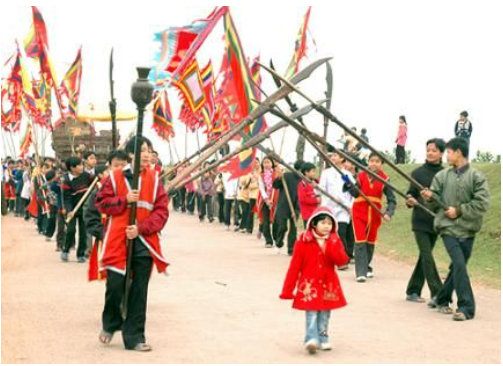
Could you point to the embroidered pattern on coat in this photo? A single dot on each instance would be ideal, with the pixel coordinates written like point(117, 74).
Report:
point(308, 291)
point(330, 294)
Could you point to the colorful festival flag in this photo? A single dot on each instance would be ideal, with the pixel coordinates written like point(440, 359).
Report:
point(70, 86)
point(178, 46)
point(245, 95)
point(300, 47)
point(37, 46)
point(191, 87)
point(26, 141)
point(163, 120)
point(36, 39)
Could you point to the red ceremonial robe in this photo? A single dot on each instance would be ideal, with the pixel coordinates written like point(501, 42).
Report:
point(366, 221)
point(152, 214)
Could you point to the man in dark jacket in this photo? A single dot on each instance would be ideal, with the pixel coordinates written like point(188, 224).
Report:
point(284, 219)
point(422, 226)
point(465, 192)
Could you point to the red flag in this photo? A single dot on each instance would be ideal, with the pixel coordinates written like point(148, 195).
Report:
point(163, 120)
point(70, 86)
point(37, 36)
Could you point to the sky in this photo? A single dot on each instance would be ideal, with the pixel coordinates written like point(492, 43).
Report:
point(426, 60)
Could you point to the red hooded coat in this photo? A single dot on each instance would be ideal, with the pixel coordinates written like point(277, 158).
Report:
point(312, 270)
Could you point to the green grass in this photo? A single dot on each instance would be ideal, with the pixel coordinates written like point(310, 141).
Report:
point(396, 239)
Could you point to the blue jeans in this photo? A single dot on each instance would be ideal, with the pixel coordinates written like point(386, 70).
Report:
point(317, 326)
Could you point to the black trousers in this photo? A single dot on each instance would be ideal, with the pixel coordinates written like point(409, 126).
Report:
point(280, 227)
point(364, 252)
point(266, 224)
point(191, 201)
point(251, 216)
point(199, 203)
point(50, 223)
point(228, 211)
point(245, 214)
point(345, 232)
point(70, 235)
point(458, 280)
point(133, 327)
point(19, 205)
point(61, 233)
point(175, 198)
point(221, 204)
point(27, 215)
point(426, 269)
point(206, 208)
point(41, 218)
point(400, 154)
point(182, 192)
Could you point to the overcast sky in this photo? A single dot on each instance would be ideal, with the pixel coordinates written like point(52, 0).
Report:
point(428, 60)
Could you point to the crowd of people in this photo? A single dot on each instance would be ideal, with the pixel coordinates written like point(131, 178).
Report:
point(346, 230)
point(340, 210)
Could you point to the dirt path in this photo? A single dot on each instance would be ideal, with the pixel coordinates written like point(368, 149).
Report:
point(220, 305)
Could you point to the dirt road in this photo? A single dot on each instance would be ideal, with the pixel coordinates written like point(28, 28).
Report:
point(220, 305)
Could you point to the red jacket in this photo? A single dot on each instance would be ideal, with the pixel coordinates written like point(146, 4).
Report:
point(152, 215)
point(308, 201)
point(312, 270)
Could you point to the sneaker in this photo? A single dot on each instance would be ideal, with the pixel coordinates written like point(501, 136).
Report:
point(228, 228)
point(459, 316)
point(343, 268)
point(352, 261)
point(47, 238)
point(81, 259)
point(370, 274)
point(268, 245)
point(432, 304)
point(142, 347)
point(236, 229)
point(325, 346)
point(243, 231)
point(414, 298)
point(311, 346)
point(447, 310)
point(64, 257)
point(361, 279)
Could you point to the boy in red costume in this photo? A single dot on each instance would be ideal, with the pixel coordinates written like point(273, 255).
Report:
point(114, 200)
point(309, 200)
point(312, 272)
point(366, 220)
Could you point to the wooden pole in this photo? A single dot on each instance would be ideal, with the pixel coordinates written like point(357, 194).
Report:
point(348, 130)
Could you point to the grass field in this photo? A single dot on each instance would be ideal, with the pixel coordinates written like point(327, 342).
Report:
point(396, 239)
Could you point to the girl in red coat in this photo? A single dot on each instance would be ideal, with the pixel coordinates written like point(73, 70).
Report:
point(312, 272)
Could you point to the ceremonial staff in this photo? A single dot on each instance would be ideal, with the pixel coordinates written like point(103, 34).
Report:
point(82, 201)
point(330, 162)
point(259, 111)
point(113, 103)
point(325, 112)
point(141, 93)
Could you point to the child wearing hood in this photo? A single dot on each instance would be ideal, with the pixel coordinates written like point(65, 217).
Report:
point(312, 272)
